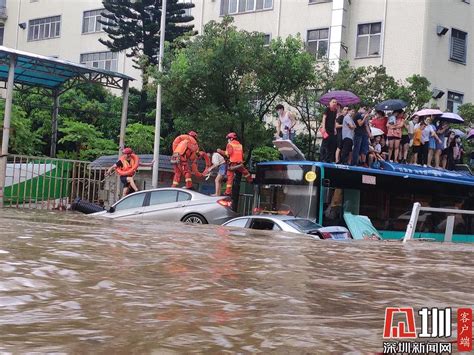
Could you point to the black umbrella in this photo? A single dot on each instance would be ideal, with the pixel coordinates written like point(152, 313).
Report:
point(391, 105)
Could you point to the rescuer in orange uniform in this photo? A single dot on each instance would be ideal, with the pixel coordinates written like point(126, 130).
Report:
point(235, 154)
point(185, 150)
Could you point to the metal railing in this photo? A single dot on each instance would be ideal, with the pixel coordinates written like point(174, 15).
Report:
point(448, 234)
point(245, 205)
point(48, 183)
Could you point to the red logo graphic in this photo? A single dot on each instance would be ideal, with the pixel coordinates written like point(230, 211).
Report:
point(464, 329)
point(399, 331)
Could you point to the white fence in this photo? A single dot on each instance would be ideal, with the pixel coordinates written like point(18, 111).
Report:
point(448, 234)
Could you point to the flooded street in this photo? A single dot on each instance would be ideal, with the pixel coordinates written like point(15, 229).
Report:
point(70, 283)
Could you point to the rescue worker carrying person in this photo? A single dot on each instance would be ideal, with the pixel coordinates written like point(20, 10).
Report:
point(235, 154)
point(185, 150)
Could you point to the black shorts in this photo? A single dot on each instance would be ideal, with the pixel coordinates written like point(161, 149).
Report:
point(123, 180)
point(392, 138)
point(405, 140)
point(339, 141)
point(417, 149)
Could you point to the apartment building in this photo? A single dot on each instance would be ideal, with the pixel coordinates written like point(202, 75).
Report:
point(65, 29)
point(428, 37)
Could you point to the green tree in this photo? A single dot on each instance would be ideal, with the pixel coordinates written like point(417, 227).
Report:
point(466, 111)
point(140, 137)
point(134, 27)
point(23, 139)
point(227, 80)
point(88, 143)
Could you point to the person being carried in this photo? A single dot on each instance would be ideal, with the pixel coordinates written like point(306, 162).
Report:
point(286, 123)
point(218, 162)
point(126, 167)
point(235, 154)
point(185, 150)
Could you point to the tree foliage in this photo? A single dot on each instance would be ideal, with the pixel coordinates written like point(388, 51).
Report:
point(140, 137)
point(135, 26)
point(227, 80)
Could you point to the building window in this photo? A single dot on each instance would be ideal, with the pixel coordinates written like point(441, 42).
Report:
point(368, 39)
point(318, 1)
point(2, 31)
point(454, 101)
point(458, 46)
point(44, 28)
point(267, 39)
point(317, 42)
point(231, 7)
point(101, 60)
point(90, 21)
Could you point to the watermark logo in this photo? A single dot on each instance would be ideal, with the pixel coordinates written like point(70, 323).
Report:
point(434, 324)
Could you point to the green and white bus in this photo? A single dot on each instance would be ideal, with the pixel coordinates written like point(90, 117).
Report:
point(323, 192)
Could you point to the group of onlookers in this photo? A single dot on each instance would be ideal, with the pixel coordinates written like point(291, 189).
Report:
point(349, 139)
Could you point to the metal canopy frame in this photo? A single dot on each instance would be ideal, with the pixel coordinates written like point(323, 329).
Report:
point(20, 70)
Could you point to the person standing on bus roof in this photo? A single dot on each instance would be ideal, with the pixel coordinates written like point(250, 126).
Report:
point(286, 123)
point(235, 154)
point(361, 137)
point(328, 130)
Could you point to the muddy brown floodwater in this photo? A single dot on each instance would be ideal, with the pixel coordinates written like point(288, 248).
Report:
point(71, 283)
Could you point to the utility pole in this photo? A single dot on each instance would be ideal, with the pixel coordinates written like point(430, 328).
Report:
point(156, 151)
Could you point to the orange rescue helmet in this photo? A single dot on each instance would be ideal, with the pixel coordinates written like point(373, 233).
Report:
point(231, 135)
point(193, 134)
point(128, 151)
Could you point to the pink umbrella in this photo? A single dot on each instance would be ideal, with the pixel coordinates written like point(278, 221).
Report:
point(343, 97)
point(428, 112)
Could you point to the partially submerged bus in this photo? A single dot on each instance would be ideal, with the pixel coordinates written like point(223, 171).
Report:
point(323, 192)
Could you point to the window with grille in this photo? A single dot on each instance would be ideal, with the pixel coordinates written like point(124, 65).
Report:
point(101, 60)
point(454, 101)
point(317, 42)
point(458, 46)
point(369, 36)
point(44, 28)
point(90, 21)
point(267, 39)
point(231, 7)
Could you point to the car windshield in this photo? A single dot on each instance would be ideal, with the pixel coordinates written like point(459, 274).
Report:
point(303, 225)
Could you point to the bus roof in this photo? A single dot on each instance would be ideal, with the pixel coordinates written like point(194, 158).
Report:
point(394, 169)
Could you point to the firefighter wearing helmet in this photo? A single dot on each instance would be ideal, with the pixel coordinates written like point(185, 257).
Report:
point(185, 151)
point(235, 154)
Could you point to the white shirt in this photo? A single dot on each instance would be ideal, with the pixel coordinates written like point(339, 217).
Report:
point(286, 121)
point(426, 134)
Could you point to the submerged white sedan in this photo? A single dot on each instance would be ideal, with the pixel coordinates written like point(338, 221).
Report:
point(290, 224)
point(171, 204)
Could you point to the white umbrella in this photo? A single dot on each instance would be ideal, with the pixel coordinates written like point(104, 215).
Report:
point(376, 131)
point(428, 112)
point(451, 117)
point(459, 133)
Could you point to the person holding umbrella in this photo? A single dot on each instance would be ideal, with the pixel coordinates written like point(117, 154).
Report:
point(328, 130)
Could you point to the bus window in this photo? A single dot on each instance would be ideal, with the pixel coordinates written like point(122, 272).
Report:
point(294, 200)
point(333, 207)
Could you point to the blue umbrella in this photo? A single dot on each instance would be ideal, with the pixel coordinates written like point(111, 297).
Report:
point(391, 105)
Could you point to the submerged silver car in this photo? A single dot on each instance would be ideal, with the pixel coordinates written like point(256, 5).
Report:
point(171, 204)
point(290, 224)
